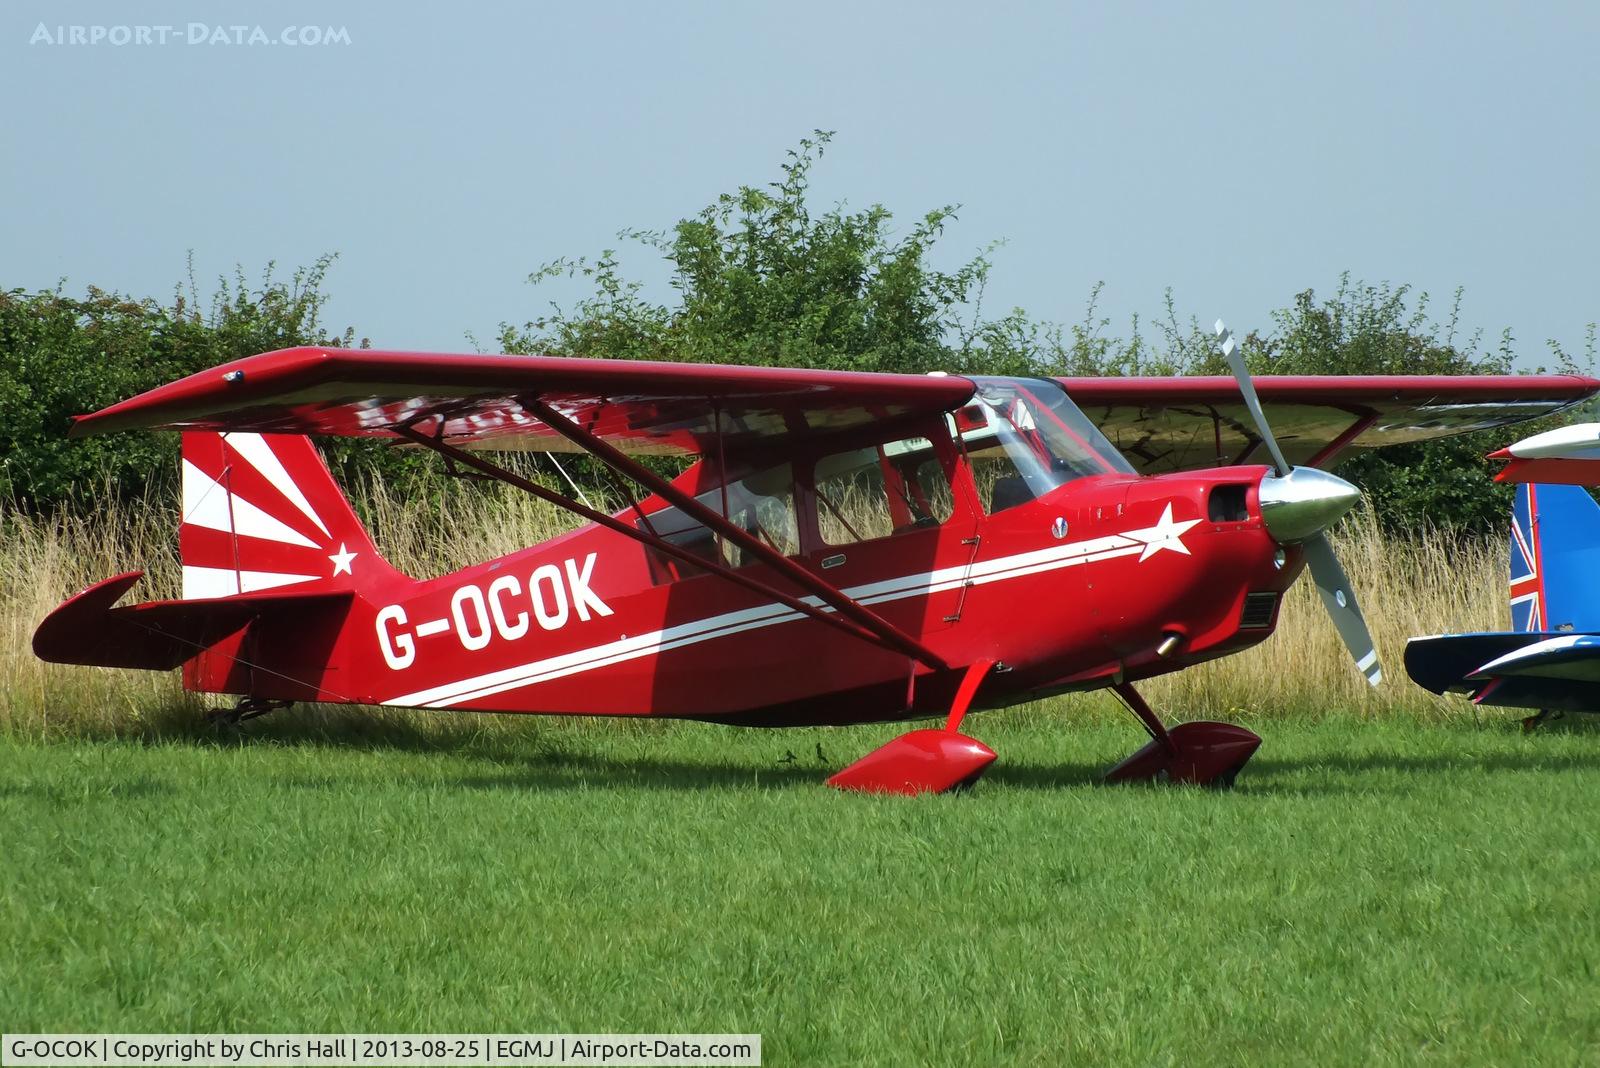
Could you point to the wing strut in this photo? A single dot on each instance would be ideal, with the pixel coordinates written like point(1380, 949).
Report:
point(1333, 448)
point(452, 454)
point(887, 633)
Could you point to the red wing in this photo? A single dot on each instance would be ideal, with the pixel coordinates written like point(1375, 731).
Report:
point(637, 406)
point(1176, 424)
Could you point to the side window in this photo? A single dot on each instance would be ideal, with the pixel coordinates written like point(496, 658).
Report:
point(880, 491)
point(761, 504)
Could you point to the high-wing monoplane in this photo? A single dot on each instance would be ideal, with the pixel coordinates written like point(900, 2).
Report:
point(841, 548)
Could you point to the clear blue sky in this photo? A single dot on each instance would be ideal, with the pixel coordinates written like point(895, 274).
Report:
point(1237, 153)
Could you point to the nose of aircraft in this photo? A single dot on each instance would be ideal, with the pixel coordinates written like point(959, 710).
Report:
point(1304, 502)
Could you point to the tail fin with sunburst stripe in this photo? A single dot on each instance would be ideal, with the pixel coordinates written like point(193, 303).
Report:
point(262, 512)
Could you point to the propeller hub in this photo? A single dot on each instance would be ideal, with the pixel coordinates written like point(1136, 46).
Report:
point(1304, 502)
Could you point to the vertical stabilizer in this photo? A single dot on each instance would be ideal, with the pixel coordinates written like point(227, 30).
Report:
point(262, 512)
point(1555, 559)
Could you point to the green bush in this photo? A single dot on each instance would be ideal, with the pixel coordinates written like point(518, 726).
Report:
point(62, 356)
point(762, 280)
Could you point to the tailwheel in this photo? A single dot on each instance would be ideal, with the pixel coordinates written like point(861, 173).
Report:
point(245, 708)
point(925, 761)
point(1204, 753)
point(1545, 715)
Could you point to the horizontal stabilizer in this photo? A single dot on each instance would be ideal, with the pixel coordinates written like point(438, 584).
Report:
point(1575, 657)
point(1445, 662)
point(1515, 670)
point(157, 635)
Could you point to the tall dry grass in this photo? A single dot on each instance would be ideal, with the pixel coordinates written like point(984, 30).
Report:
point(1407, 586)
point(424, 531)
point(44, 560)
point(1430, 583)
point(434, 528)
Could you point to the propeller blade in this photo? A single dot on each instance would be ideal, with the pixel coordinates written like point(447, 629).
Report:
point(1235, 358)
point(1326, 571)
point(1340, 601)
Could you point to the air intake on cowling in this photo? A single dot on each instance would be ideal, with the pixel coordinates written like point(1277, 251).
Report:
point(1259, 608)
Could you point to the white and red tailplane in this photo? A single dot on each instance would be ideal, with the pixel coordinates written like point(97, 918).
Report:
point(262, 512)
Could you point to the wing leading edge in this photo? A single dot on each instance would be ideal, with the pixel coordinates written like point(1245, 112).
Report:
point(484, 400)
point(1181, 423)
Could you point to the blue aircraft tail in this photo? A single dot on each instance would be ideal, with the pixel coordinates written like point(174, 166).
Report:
point(1555, 559)
point(1551, 659)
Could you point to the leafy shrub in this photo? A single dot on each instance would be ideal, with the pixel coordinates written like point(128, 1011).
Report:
point(62, 356)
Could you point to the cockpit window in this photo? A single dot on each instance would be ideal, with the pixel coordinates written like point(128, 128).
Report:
point(1025, 437)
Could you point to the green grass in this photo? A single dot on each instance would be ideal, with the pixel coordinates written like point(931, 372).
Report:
point(1380, 891)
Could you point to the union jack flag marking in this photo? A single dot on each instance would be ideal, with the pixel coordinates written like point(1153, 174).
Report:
point(1527, 574)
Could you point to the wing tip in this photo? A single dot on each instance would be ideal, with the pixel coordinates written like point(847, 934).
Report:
point(189, 397)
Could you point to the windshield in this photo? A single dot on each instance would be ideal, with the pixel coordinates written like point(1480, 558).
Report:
point(1025, 437)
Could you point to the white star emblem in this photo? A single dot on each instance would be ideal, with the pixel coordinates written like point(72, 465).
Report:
point(1166, 534)
point(341, 560)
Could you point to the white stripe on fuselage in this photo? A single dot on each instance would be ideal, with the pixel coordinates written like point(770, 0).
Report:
point(1020, 565)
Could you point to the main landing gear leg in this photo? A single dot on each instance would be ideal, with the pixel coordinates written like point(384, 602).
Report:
point(1202, 752)
point(925, 761)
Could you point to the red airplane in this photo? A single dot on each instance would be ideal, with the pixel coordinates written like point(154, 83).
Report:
point(845, 547)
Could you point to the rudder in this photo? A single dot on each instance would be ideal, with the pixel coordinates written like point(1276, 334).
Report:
point(1555, 559)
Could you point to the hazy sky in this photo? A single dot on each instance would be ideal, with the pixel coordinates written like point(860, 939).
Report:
point(1237, 153)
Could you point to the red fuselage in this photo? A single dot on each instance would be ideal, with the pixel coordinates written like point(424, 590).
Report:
point(1105, 577)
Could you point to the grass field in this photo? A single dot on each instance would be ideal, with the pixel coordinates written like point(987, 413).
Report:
point(1374, 891)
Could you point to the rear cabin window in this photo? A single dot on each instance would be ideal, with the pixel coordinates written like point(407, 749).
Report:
point(761, 504)
point(880, 491)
